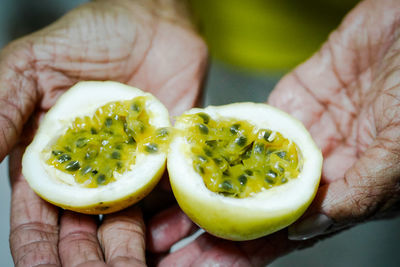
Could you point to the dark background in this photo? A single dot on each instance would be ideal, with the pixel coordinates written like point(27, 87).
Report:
point(371, 244)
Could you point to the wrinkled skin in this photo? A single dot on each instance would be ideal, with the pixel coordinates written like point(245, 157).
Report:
point(348, 96)
point(134, 42)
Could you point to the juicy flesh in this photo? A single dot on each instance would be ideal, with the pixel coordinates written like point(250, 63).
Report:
point(236, 159)
point(97, 149)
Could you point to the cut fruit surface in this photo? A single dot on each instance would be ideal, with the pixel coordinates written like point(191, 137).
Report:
point(242, 171)
point(101, 148)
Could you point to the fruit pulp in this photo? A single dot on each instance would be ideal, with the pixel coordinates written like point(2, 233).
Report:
point(98, 149)
point(237, 159)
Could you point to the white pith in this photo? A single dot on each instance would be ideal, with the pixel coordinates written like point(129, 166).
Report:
point(271, 203)
point(82, 100)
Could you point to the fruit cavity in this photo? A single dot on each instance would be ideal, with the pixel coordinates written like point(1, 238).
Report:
point(98, 149)
point(101, 148)
point(237, 159)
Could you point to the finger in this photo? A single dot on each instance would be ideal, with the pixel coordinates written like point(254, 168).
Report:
point(209, 251)
point(78, 240)
point(18, 94)
point(122, 238)
point(166, 228)
point(369, 188)
point(34, 222)
point(325, 92)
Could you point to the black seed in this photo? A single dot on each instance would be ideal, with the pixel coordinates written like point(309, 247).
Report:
point(108, 122)
point(283, 180)
point(259, 148)
point(242, 179)
point(86, 170)
point(56, 152)
point(226, 185)
point(280, 169)
point(218, 161)
point(131, 140)
point(234, 129)
point(203, 159)
point(162, 132)
point(90, 154)
point(101, 179)
point(64, 158)
point(249, 172)
point(68, 148)
point(116, 155)
point(211, 143)
point(119, 147)
point(281, 154)
point(266, 135)
point(205, 117)
point(207, 151)
point(269, 180)
point(241, 140)
point(199, 169)
point(203, 128)
point(272, 174)
point(94, 172)
point(73, 166)
point(235, 162)
point(93, 131)
point(226, 173)
point(247, 153)
point(81, 142)
point(119, 165)
point(135, 107)
point(151, 147)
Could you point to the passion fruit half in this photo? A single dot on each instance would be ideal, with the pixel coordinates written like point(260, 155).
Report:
point(100, 148)
point(242, 171)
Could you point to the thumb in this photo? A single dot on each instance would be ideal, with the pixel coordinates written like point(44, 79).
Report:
point(18, 94)
point(369, 189)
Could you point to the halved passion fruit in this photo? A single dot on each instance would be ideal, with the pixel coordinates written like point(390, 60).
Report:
point(242, 171)
point(101, 148)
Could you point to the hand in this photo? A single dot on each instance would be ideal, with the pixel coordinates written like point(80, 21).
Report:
point(147, 44)
point(348, 96)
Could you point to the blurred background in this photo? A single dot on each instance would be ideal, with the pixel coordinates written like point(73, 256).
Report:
point(253, 43)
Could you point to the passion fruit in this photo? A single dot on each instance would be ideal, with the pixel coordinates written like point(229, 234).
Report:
point(242, 171)
point(100, 148)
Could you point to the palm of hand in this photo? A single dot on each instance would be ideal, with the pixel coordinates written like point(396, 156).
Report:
point(99, 41)
point(348, 96)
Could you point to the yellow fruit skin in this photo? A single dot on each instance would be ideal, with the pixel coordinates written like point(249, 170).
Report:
point(238, 223)
point(114, 206)
point(57, 189)
point(258, 215)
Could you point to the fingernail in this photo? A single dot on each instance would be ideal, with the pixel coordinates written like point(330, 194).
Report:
point(310, 227)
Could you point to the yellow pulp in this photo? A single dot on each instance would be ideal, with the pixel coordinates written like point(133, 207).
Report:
point(237, 159)
point(96, 149)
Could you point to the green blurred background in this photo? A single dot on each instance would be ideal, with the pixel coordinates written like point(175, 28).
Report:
point(267, 35)
point(252, 43)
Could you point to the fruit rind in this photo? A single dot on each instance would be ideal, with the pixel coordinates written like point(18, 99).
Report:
point(59, 188)
point(263, 213)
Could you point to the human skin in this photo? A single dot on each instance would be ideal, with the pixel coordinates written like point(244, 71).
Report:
point(147, 44)
point(348, 96)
